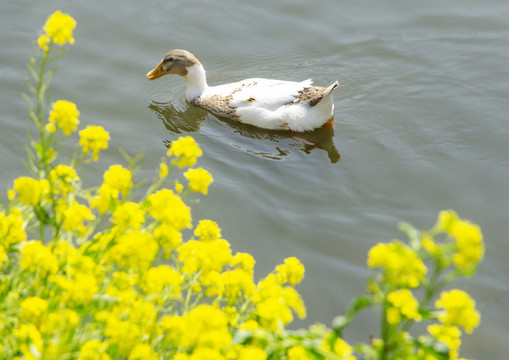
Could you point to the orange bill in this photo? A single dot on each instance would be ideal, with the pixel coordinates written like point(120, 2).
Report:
point(157, 72)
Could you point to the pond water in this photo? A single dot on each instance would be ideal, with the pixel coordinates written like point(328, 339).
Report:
point(421, 125)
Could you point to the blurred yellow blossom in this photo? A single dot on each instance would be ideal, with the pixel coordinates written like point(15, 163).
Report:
point(119, 179)
point(63, 115)
point(186, 151)
point(204, 255)
point(32, 309)
point(79, 289)
point(199, 180)
point(168, 237)
point(63, 178)
point(31, 340)
point(292, 271)
point(338, 346)
point(160, 278)
point(128, 215)
point(297, 352)
point(74, 216)
point(59, 28)
point(458, 310)
point(207, 230)
point(134, 249)
point(31, 191)
point(251, 352)
point(43, 41)
point(94, 138)
point(244, 260)
point(60, 321)
point(448, 335)
point(401, 265)
point(12, 229)
point(94, 350)
point(168, 208)
point(403, 303)
point(143, 352)
point(37, 257)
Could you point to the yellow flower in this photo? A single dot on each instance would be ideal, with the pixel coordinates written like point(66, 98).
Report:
point(119, 179)
point(292, 271)
point(168, 208)
point(74, 216)
point(79, 289)
point(237, 282)
point(30, 338)
point(204, 256)
point(339, 347)
point(158, 279)
point(128, 215)
point(199, 180)
point(244, 260)
point(94, 350)
point(186, 150)
point(448, 335)
point(168, 237)
point(59, 27)
point(43, 41)
point(32, 309)
point(298, 353)
point(94, 138)
point(64, 115)
point(31, 191)
point(63, 178)
point(143, 352)
point(469, 243)
point(205, 353)
point(207, 327)
point(60, 321)
point(403, 303)
point(12, 229)
point(133, 249)
point(251, 352)
point(3, 255)
point(459, 310)
point(207, 230)
point(36, 257)
point(402, 267)
point(163, 169)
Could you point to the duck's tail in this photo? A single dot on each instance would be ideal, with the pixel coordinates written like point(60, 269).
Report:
point(330, 88)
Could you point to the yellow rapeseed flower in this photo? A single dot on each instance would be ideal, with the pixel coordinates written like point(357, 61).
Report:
point(448, 335)
point(251, 352)
point(80, 289)
point(207, 230)
point(206, 326)
point(297, 352)
point(33, 309)
point(74, 216)
point(244, 260)
point(159, 279)
point(339, 347)
point(186, 151)
point(143, 352)
point(204, 255)
point(94, 138)
point(401, 265)
point(119, 179)
point(43, 41)
point(168, 238)
point(469, 243)
point(94, 350)
point(30, 338)
point(235, 283)
point(133, 250)
point(199, 180)
point(63, 178)
point(62, 320)
point(163, 169)
point(31, 191)
point(12, 229)
point(37, 257)
point(3, 255)
point(128, 215)
point(403, 303)
point(168, 208)
point(63, 115)
point(458, 310)
point(292, 271)
point(59, 28)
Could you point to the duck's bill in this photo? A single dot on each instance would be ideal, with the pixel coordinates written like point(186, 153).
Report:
point(157, 72)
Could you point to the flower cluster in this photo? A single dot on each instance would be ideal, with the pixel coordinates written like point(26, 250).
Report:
point(57, 29)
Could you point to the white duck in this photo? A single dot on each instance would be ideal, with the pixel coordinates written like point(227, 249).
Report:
point(266, 103)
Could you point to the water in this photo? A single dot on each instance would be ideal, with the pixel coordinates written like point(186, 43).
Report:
point(420, 125)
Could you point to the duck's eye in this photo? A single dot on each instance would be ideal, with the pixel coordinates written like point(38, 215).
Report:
point(167, 60)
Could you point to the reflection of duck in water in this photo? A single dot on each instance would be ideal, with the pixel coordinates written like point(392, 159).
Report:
point(265, 103)
point(191, 118)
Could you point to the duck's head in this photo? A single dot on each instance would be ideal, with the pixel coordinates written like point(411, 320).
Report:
point(174, 62)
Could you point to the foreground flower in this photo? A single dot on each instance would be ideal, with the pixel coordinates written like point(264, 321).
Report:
point(30, 191)
point(94, 138)
point(458, 310)
point(59, 27)
point(403, 304)
point(199, 180)
point(63, 115)
point(186, 151)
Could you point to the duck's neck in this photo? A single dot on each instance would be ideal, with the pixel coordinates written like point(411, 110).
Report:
point(196, 82)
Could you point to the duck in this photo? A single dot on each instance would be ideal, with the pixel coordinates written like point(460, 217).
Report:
point(265, 103)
